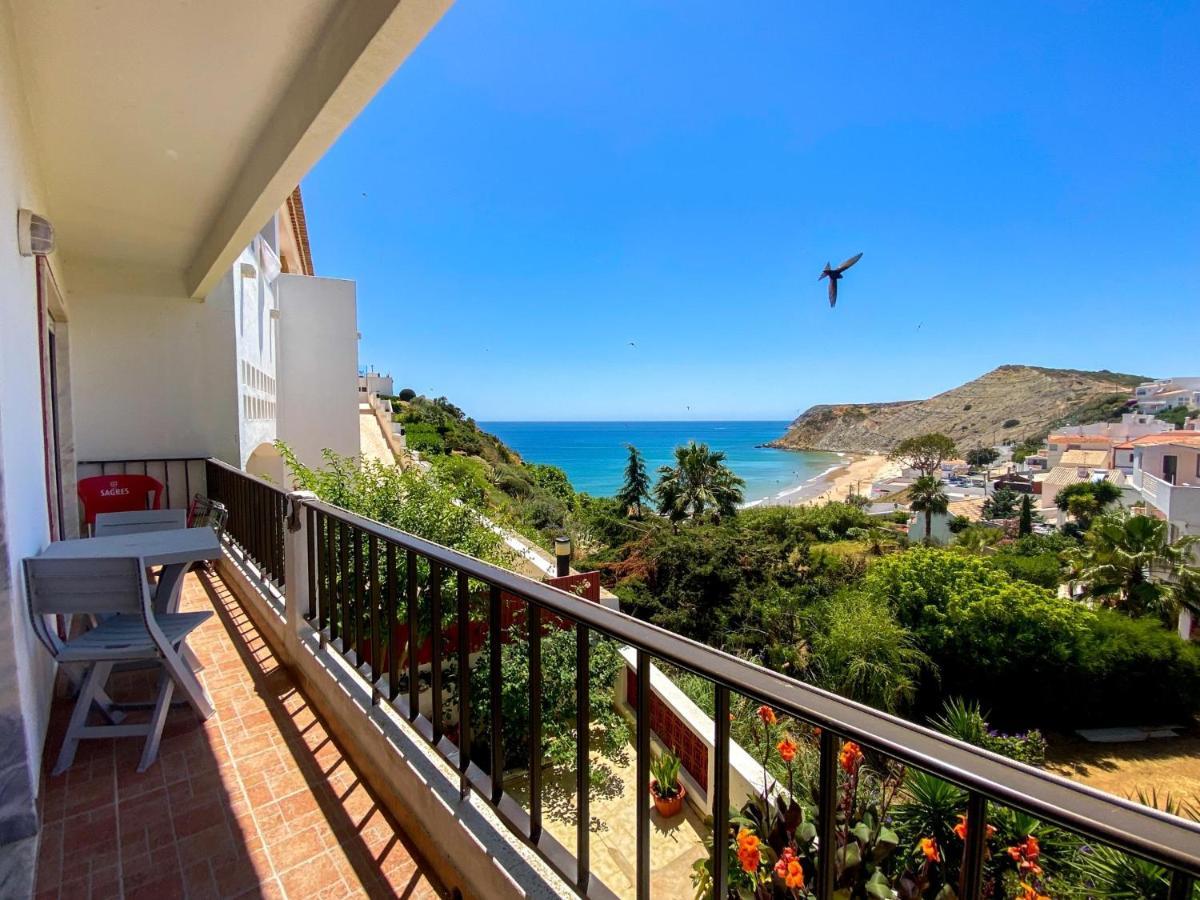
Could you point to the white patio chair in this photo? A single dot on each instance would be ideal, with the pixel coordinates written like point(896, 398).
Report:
point(115, 587)
point(139, 520)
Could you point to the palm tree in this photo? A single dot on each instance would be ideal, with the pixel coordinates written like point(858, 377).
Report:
point(1130, 562)
point(698, 484)
point(928, 496)
point(637, 483)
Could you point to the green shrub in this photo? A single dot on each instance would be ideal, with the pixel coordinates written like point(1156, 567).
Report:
point(423, 438)
point(860, 651)
point(467, 476)
point(965, 720)
point(1042, 569)
point(407, 394)
point(559, 673)
point(1011, 423)
point(1028, 655)
point(513, 482)
point(1138, 667)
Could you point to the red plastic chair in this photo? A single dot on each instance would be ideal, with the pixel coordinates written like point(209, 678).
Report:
point(118, 493)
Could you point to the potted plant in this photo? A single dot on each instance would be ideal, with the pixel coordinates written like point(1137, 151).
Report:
point(665, 787)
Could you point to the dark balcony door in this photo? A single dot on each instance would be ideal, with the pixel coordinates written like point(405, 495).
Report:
point(1170, 466)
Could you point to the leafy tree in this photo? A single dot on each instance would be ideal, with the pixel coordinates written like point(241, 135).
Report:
point(1002, 504)
point(552, 480)
point(1025, 520)
point(929, 497)
point(637, 483)
point(699, 484)
point(1027, 448)
point(1131, 563)
point(925, 452)
point(407, 499)
point(407, 394)
point(982, 456)
point(1087, 499)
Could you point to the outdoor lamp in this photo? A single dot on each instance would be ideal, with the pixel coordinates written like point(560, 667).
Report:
point(562, 554)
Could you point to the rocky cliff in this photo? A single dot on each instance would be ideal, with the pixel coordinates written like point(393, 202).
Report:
point(1010, 403)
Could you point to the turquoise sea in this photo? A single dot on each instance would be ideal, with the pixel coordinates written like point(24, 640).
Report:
point(593, 454)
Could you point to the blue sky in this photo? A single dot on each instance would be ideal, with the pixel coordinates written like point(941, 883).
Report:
point(541, 184)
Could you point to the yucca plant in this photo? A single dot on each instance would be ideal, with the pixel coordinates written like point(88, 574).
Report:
point(1103, 871)
point(962, 719)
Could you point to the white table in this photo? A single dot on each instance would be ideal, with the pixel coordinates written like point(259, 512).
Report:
point(174, 550)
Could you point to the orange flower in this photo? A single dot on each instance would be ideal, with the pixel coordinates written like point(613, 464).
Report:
point(1025, 855)
point(789, 869)
point(748, 851)
point(851, 757)
point(787, 748)
point(930, 848)
point(961, 828)
point(795, 876)
point(1028, 893)
point(767, 715)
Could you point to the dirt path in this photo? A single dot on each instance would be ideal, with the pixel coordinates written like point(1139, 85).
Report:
point(1168, 765)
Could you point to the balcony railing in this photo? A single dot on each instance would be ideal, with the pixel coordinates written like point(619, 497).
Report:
point(1174, 501)
point(256, 516)
point(372, 590)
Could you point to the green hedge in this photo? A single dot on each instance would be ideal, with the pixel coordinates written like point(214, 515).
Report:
point(1030, 656)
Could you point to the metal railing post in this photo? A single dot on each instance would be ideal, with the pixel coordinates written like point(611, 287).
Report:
point(296, 588)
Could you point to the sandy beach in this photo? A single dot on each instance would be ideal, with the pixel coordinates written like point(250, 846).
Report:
point(839, 482)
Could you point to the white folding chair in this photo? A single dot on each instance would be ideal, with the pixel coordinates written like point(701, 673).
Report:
point(139, 520)
point(115, 587)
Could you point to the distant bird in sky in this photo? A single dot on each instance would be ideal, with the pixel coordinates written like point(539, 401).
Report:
point(632, 344)
point(834, 274)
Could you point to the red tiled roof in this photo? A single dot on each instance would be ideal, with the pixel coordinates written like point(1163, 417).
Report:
point(1169, 437)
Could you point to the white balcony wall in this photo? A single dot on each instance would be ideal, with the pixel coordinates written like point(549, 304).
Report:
point(1178, 503)
point(318, 366)
point(255, 311)
point(26, 674)
point(155, 372)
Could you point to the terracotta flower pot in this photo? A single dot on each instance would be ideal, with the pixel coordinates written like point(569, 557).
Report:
point(669, 807)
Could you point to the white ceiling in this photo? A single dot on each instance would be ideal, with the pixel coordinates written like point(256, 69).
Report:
point(144, 112)
point(165, 127)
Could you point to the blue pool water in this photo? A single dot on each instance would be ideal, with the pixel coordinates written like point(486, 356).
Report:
point(593, 454)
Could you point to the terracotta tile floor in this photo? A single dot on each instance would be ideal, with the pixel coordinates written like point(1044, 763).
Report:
point(258, 801)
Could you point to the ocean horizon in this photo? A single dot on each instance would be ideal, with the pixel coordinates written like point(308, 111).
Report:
point(593, 454)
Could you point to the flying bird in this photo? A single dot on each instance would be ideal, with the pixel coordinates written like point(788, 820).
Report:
point(834, 274)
